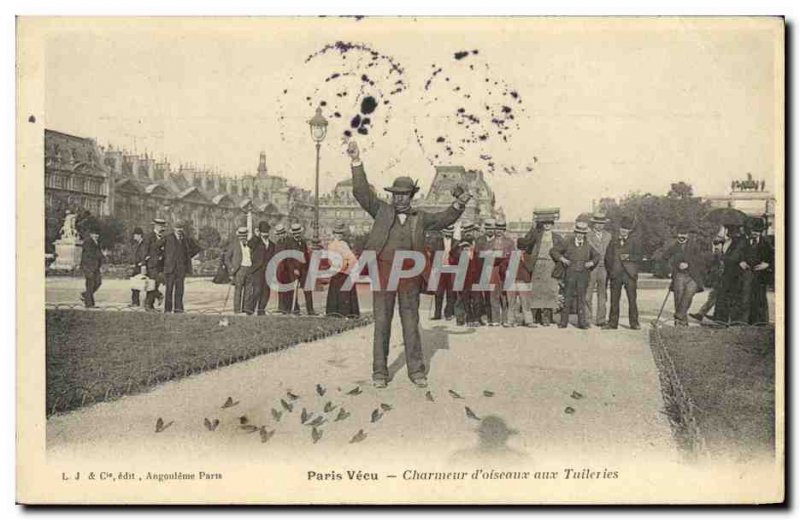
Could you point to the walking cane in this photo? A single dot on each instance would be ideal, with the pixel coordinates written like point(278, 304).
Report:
point(294, 298)
point(223, 321)
point(664, 303)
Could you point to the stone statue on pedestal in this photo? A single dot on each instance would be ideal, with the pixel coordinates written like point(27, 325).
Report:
point(69, 247)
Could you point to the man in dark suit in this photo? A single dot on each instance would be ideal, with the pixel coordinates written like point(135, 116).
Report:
point(728, 307)
point(482, 243)
point(238, 258)
point(262, 251)
point(92, 259)
point(689, 265)
point(179, 249)
point(154, 261)
point(758, 258)
point(137, 258)
point(578, 258)
point(398, 227)
point(623, 254)
point(444, 296)
point(299, 270)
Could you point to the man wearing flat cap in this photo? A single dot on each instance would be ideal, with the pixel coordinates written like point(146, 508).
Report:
point(261, 251)
point(623, 255)
point(138, 254)
point(578, 259)
point(398, 227)
point(154, 261)
point(239, 260)
point(689, 265)
point(179, 249)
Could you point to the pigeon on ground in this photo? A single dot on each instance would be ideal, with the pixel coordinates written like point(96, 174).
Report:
point(304, 416)
point(286, 406)
point(429, 396)
point(318, 421)
point(471, 414)
point(329, 407)
point(161, 426)
point(488, 393)
point(386, 407)
point(276, 414)
point(355, 391)
point(292, 396)
point(358, 437)
point(342, 415)
point(320, 390)
point(576, 395)
point(376, 415)
point(315, 434)
point(569, 410)
point(265, 435)
point(249, 428)
point(230, 402)
point(454, 394)
point(211, 425)
point(243, 419)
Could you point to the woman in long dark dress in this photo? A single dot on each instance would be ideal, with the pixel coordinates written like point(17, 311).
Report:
point(341, 302)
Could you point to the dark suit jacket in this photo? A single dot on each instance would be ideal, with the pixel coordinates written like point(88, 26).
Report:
point(138, 257)
point(91, 257)
point(233, 256)
point(474, 266)
point(178, 254)
point(577, 256)
point(289, 265)
point(260, 255)
point(154, 253)
point(615, 265)
point(692, 252)
point(384, 215)
point(755, 254)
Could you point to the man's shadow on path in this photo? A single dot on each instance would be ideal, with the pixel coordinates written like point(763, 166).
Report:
point(434, 339)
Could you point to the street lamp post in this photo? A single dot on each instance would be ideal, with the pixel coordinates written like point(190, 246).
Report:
point(319, 127)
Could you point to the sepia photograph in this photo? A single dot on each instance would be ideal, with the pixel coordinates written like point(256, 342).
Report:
point(400, 260)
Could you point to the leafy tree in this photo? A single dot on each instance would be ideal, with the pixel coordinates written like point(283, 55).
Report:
point(680, 190)
point(209, 238)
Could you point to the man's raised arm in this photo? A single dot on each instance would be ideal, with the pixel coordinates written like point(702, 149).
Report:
point(361, 190)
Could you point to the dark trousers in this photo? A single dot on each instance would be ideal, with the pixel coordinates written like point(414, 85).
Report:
point(684, 288)
point(575, 295)
point(93, 282)
point(711, 301)
point(617, 284)
point(753, 306)
point(543, 316)
point(135, 299)
point(173, 298)
point(257, 294)
point(383, 308)
point(150, 298)
point(240, 289)
point(468, 307)
point(444, 292)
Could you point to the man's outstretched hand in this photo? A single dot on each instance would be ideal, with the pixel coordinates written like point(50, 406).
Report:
point(352, 151)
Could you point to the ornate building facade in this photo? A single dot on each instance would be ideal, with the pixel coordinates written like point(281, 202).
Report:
point(80, 175)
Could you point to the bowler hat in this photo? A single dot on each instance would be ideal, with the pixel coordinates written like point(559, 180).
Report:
point(264, 226)
point(682, 229)
point(242, 231)
point(626, 222)
point(757, 224)
point(403, 185)
point(138, 231)
point(581, 227)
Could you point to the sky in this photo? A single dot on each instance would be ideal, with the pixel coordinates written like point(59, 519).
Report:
point(601, 108)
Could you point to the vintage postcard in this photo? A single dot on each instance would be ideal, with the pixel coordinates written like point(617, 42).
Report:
point(399, 260)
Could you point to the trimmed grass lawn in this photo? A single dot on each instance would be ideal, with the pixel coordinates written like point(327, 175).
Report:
point(729, 374)
point(96, 356)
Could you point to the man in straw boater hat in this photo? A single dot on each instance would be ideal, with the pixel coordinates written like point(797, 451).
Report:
point(578, 259)
point(239, 261)
point(622, 259)
point(445, 298)
point(598, 238)
point(536, 245)
point(398, 227)
point(297, 271)
point(137, 259)
point(154, 262)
